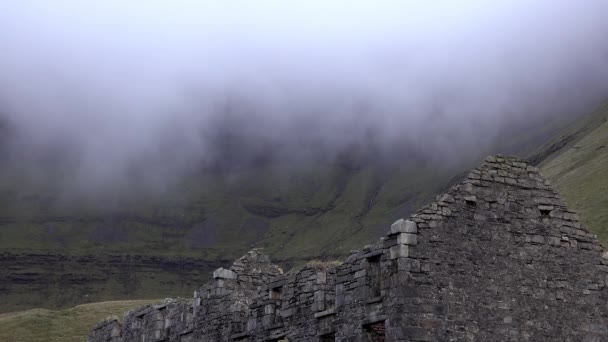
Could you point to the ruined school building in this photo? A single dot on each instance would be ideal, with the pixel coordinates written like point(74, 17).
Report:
point(499, 257)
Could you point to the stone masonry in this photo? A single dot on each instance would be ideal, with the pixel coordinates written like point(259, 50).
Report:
point(498, 257)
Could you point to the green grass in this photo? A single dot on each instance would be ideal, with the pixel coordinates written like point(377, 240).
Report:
point(69, 325)
point(569, 135)
point(580, 173)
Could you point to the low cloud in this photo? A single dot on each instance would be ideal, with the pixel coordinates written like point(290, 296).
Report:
point(109, 91)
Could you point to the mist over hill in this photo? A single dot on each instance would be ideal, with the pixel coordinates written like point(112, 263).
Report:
point(144, 143)
point(108, 94)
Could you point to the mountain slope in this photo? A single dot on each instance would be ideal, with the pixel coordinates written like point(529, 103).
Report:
point(58, 251)
point(579, 170)
point(58, 254)
point(570, 133)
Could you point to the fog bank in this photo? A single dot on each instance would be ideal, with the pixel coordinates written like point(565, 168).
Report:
point(110, 90)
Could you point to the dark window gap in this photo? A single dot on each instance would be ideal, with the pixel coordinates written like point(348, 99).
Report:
point(276, 293)
point(375, 276)
point(331, 337)
point(375, 332)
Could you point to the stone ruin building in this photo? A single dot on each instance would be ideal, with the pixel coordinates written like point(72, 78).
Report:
point(498, 257)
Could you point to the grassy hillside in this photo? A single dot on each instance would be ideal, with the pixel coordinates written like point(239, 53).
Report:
point(163, 246)
point(214, 215)
point(68, 325)
point(567, 136)
point(57, 251)
point(579, 170)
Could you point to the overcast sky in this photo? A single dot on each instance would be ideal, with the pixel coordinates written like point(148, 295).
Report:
point(167, 83)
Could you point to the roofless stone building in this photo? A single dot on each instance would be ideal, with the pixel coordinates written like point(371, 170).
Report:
point(499, 257)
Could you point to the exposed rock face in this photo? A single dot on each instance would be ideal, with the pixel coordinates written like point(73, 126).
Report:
point(497, 258)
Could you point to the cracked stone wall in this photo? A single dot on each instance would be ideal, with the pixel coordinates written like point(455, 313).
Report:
point(498, 257)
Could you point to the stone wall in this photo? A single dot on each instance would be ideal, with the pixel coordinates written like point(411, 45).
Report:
point(499, 257)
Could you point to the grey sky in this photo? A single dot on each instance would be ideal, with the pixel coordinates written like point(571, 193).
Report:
point(122, 83)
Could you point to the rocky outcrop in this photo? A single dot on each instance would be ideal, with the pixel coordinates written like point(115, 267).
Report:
point(498, 257)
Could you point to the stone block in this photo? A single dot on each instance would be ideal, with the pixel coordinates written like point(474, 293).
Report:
point(321, 277)
point(115, 331)
point(408, 264)
point(410, 227)
point(407, 239)
point(251, 324)
point(360, 273)
point(537, 239)
point(396, 226)
point(471, 199)
point(287, 312)
point(339, 295)
point(404, 226)
point(446, 198)
point(269, 309)
point(474, 175)
point(319, 296)
point(399, 251)
point(361, 293)
point(222, 273)
point(268, 320)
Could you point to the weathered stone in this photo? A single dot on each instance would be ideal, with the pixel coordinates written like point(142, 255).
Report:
point(399, 251)
point(471, 199)
point(409, 264)
point(396, 226)
point(407, 239)
point(222, 273)
point(404, 226)
point(490, 269)
point(410, 227)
